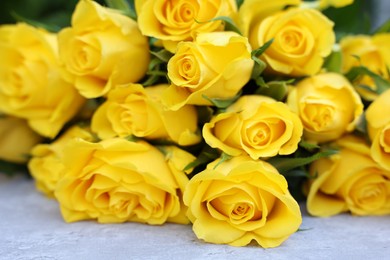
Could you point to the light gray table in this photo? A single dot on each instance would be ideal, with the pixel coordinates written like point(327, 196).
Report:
point(31, 227)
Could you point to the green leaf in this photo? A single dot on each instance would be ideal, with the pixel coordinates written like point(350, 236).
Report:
point(151, 80)
point(222, 103)
point(132, 138)
point(381, 84)
point(207, 155)
point(154, 63)
point(297, 173)
point(258, 69)
point(124, 6)
point(48, 27)
point(259, 64)
point(361, 125)
point(308, 146)
point(162, 149)
point(384, 28)
point(366, 88)
point(285, 164)
point(156, 73)
point(274, 89)
point(157, 68)
point(229, 23)
point(224, 157)
point(239, 3)
point(344, 26)
point(162, 55)
point(333, 62)
point(303, 229)
point(262, 49)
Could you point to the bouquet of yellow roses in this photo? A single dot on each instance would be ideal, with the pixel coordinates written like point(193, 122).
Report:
point(219, 113)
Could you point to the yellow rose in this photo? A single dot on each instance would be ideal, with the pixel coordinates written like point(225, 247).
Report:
point(252, 12)
point(302, 39)
point(335, 3)
point(16, 139)
point(103, 48)
point(46, 165)
point(255, 125)
point(180, 20)
point(349, 181)
point(328, 106)
point(116, 180)
point(241, 200)
point(378, 127)
point(216, 65)
point(31, 85)
point(373, 52)
point(134, 110)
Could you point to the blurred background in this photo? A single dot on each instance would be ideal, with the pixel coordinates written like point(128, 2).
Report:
point(363, 16)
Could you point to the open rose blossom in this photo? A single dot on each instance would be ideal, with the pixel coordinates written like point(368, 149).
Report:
point(255, 125)
point(134, 110)
point(252, 12)
point(240, 200)
point(31, 85)
point(117, 180)
point(378, 126)
point(302, 38)
point(16, 139)
point(372, 52)
point(349, 181)
point(181, 20)
point(215, 65)
point(103, 48)
point(46, 164)
point(327, 105)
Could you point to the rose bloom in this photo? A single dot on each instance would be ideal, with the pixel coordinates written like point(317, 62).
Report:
point(240, 200)
point(252, 12)
point(216, 65)
point(31, 85)
point(328, 106)
point(117, 180)
point(134, 110)
point(302, 39)
point(372, 52)
point(45, 165)
point(180, 20)
point(378, 127)
point(103, 48)
point(349, 181)
point(16, 139)
point(255, 125)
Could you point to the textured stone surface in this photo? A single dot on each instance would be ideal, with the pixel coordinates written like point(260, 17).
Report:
point(31, 227)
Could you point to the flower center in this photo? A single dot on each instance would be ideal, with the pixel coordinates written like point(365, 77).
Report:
point(240, 210)
point(178, 16)
point(264, 132)
point(371, 196)
point(184, 13)
point(183, 69)
point(134, 116)
point(291, 40)
point(319, 117)
point(85, 57)
point(187, 69)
